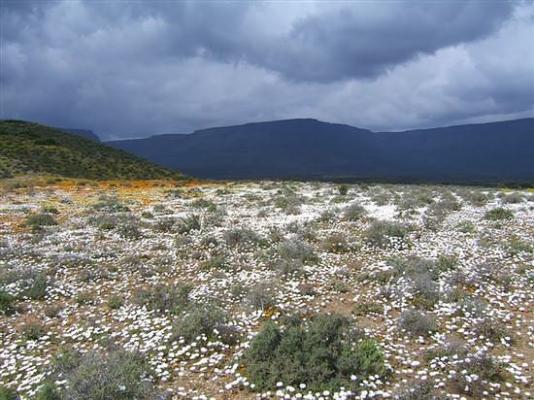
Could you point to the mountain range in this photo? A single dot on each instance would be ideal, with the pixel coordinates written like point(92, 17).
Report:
point(497, 152)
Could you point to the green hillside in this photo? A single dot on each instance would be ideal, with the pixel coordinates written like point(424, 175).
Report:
point(29, 148)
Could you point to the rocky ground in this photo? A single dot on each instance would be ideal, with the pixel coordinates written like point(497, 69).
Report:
point(160, 291)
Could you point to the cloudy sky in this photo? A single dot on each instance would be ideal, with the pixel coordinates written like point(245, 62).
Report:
point(135, 68)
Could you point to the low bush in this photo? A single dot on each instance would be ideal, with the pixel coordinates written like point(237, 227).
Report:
point(217, 261)
point(516, 246)
point(343, 189)
point(336, 243)
point(110, 204)
point(499, 214)
point(8, 394)
point(322, 353)
point(164, 298)
point(380, 233)
point(35, 288)
point(466, 227)
point(7, 303)
point(39, 220)
point(261, 296)
point(203, 320)
point(129, 231)
point(115, 302)
point(115, 374)
point(366, 308)
point(475, 370)
point(417, 323)
point(513, 198)
point(190, 223)
point(240, 237)
point(296, 250)
point(354, 212)
point(32, 329)
point(48, 391)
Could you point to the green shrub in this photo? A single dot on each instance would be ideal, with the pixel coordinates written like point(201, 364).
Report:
point(380, 233)
point(343, 189)
point(261, 296)
point(499, 214)
point(216, 262)
point(322, 353)
point(513, 198)
point(115, 302)
point(207, 320)
point(476, 369)
point(336, 243)
point(129, 231)
point(466, 227)
point(203, 203)
point(296, 250)
point(354, 212)
point(7, 303)
point(240, 237)
point(32, 329)
point(164, 298)
point(417, 323)
point(190, 223)
point(48, 391)
point(8, 394)
point(366, 308)
point(110, 205)
point(38, 221)
point(516, 246)
point(36, 288)
point(116, 374)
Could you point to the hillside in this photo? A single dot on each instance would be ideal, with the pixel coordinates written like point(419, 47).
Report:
point(85, 133)
point(306, 148)
point(27, 148)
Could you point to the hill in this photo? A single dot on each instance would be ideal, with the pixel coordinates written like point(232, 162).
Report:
point(27, 148)
point(85, 133)
point(498, 152)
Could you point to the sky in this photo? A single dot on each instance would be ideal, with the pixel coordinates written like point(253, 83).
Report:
point(128, 69)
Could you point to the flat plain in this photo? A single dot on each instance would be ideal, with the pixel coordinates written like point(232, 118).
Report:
point(266, 290)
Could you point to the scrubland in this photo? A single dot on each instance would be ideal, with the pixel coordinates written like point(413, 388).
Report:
point(266, 290)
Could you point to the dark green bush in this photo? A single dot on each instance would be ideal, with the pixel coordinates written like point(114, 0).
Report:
point(8, 394)
point(322, 353)
point(343, 189)
point(7, 303)
point(48, 391)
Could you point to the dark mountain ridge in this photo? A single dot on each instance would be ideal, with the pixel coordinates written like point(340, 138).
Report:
point(497, 152)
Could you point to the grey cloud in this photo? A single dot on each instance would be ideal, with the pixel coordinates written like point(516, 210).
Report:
point(137, 68)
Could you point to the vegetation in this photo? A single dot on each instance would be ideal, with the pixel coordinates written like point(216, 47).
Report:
point(499, 214)
point(115, 375)
point(323, 353)
point(28, 148)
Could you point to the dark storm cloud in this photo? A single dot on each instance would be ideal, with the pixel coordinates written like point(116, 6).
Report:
point(132, 68)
